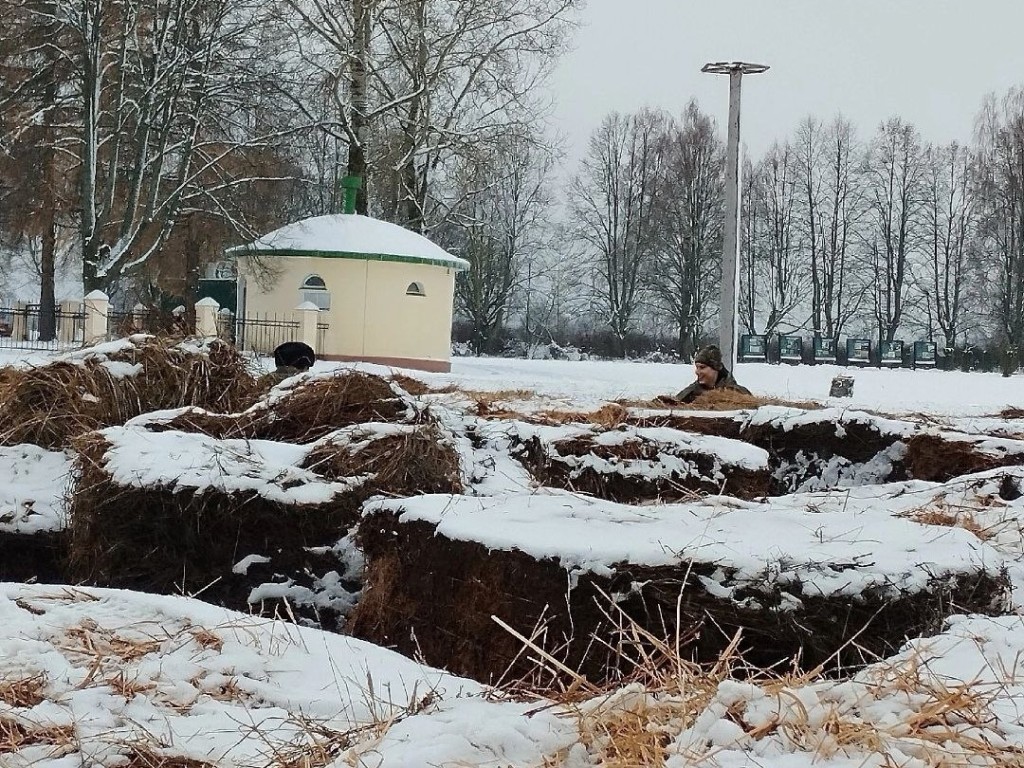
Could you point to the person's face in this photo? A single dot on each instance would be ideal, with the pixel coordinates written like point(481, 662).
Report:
point(706, 375)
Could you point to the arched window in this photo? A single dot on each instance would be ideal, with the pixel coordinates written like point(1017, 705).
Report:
point(314, 289)
point(415, 289)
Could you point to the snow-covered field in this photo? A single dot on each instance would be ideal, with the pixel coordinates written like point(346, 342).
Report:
point(585, 384)
point(95, 677)
point(947, 393)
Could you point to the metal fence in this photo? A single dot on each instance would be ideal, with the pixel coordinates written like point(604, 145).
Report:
point(25, 327)
point(263, 333)
point(122, 323)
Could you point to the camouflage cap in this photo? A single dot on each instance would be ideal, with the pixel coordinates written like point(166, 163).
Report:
point(710, 356)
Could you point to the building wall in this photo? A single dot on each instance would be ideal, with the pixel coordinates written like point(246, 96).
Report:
point(403, 326)
point(371, 316)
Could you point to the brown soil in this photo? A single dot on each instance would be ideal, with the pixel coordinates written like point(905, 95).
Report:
point(931, 458)
point(177, 541)
point(33, 557)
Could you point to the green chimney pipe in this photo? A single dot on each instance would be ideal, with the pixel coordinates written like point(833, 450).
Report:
point(351, 185)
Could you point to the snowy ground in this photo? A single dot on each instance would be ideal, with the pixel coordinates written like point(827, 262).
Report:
point(586, 384)
point(94, 678)
point(952, 393)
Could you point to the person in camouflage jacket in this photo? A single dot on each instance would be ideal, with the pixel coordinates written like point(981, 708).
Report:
point(711, 374)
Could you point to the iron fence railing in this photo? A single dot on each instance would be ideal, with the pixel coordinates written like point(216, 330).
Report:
point(158, 322)
point(262, 334)
point(27, 326)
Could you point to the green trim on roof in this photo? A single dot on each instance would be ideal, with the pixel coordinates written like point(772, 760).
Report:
point(455, 263)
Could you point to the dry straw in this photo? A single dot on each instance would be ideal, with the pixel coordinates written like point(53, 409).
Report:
point(405, 463)
point(304, 412)
point(50, 405)
point(636, 721)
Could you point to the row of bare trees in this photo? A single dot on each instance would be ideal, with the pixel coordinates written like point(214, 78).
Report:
point(886, 236)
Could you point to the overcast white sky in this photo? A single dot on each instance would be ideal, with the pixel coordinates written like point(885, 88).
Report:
point(930, 61)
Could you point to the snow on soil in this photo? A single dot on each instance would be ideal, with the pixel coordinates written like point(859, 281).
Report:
point(33, 483)
point(188, 678)
point(137, 458)
point(827, 543)
point(182, 679)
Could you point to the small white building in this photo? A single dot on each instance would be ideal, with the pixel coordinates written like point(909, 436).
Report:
point(385, 293)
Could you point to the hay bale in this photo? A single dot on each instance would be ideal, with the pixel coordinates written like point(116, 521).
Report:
point(107, 385)
point(632, 464)
point(172, 513)
point(400, 459)
point(300, 413)
point(320, 405)
point(432, 586)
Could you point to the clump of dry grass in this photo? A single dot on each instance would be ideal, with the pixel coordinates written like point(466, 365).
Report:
point(322, 405)
point(949, 516)
point(24, 692)
point(149, 756)
point(726, 399)
point(52, 404)
point(15, 735)
point(609, 415)
point(634, 721)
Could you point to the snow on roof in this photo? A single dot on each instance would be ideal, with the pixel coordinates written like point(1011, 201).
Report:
point(830, 543)
point(138, 458)
point(349, 235)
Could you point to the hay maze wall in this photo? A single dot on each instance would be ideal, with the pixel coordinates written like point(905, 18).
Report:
point(431, 596)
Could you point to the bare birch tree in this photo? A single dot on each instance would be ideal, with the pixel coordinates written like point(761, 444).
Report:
point(687, 266)
point(1000, 146)
point(614, 201)
point(498, 225)
point(831, 207)
point(896, 172)
point(776, 259)
point(951, 214)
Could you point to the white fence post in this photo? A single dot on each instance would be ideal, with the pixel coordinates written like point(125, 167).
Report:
point(206, 317)
point(139, 312)
point(66, 321)
point(309, 318)
point(19, 324)
point(97, 304)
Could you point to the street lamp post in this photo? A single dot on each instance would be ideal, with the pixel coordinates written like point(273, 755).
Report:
point(730, 244)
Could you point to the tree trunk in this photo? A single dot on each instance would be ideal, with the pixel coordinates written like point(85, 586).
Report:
point(357, 163)
point(48, 258)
